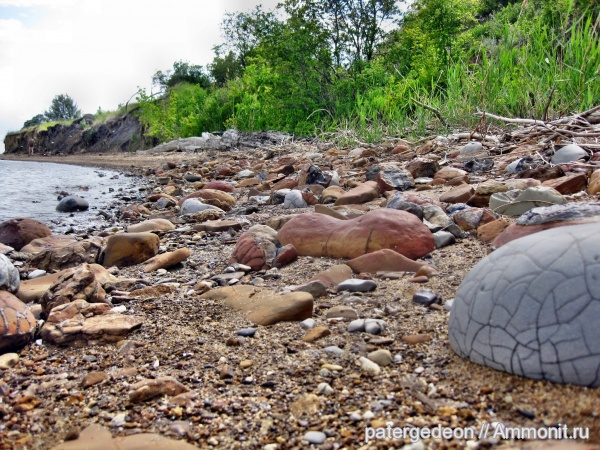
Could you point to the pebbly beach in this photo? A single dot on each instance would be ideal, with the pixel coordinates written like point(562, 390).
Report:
point(301, 294)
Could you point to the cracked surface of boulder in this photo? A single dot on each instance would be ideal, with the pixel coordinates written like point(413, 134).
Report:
point(17, 324)
point(321, 235)
point(532, 308)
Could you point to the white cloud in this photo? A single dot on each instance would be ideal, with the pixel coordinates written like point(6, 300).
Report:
point(98, 52)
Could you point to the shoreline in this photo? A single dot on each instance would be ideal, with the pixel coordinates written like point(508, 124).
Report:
point(113, 160)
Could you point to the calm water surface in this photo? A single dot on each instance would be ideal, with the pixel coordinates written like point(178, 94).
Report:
point(31, 189)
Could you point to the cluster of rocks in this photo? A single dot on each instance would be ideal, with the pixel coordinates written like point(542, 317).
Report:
point(315, 236)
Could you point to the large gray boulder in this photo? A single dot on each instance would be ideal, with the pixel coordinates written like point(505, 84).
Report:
point(532, 308)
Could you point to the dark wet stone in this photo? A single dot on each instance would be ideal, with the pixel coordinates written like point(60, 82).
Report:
point(426, 297)
point(479, 165)
point(397, 202)
point(72, 203)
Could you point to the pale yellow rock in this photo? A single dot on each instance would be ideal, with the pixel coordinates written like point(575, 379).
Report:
point(262, 306)
point(151, 225)
point(166, 260)
point(96, 437)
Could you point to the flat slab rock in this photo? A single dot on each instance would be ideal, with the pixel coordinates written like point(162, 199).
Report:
point(96, 437)
point(532, 308)
point(262, 306)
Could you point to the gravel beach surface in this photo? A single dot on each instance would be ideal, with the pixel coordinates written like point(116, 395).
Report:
point(226, 382)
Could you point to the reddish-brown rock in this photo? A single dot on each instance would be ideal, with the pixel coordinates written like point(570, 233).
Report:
point(362, 193)
point(489, 231)
point(256, 248)
point(542, 173)
point(321, 235)
point(17, 233)
point(460, 194)
point(384, 260)
point(448, 173)
point(422, 167)
point(218, 226)
point(32, 290)
point(285, 255)
point(219, 185)
point(17, 324)
point(333, 276)
point(65, 257)
point(569, 184)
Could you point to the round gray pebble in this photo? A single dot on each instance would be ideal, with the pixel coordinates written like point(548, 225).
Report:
point(315, 437)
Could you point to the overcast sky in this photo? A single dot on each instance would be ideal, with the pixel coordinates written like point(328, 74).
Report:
point(98, 51)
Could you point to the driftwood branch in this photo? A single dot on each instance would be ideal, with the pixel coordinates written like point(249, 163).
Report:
point(432, 109)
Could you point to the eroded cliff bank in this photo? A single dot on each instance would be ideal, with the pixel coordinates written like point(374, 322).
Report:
point(124, 133)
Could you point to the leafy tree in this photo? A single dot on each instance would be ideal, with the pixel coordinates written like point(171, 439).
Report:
point(243, 32)
point(225, 68)
point(35, 120)
point(183, 72)
point(354, 27)
point(62, 107)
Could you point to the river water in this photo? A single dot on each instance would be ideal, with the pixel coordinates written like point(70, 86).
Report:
point(31, 189)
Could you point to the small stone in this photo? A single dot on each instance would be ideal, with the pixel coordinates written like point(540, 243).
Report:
point(374, 326)
point(93, 378)
point(332, 367)
point(294, 199)
point(315, 437)
point(8, 360)
point(443, 239)
point(382, 357)
point(416, 338)
point(356, 325)
point(36, 274)
point(246, 332)
point(334, 349)
point(308, 324)
point(369, 367)
point(316, 333)
point(325, 388)
point(226, 372)
point(341, 312)
point(246, 363)
point(426, 297)
point(471, 147)
point(357, 285)
point(119, 420)
point(315, 288)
